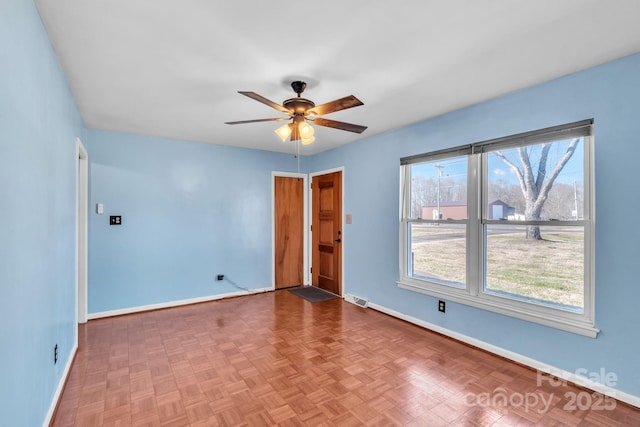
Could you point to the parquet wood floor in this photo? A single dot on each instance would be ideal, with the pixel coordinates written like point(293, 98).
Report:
point(276, 359)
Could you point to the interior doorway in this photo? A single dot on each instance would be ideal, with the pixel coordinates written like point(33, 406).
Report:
point(82, 211)
point(290, 219)
point(326, 230)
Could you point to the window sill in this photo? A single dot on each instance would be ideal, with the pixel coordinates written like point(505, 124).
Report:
point(536, 314)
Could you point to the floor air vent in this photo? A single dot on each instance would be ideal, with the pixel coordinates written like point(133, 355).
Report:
point(360, 302)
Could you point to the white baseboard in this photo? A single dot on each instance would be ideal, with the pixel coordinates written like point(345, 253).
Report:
point(60, 388)
point(524, 360)
point(170, 304)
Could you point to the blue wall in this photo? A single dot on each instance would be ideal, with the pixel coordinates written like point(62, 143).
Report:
point(610, 94)
point(39, 123)
point(189, 211)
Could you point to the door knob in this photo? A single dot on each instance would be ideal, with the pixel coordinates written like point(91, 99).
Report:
point(338, 240)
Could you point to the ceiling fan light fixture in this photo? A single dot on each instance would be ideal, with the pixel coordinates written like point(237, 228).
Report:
point(307, 141)
point(284, 131)
point(306, 130)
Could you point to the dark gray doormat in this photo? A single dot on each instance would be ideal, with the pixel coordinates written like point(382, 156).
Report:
point(312, 293)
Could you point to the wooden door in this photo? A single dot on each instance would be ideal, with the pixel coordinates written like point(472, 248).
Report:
point(289, 216)
point(326, 269)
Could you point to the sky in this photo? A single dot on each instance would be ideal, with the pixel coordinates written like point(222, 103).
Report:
point(456, 168)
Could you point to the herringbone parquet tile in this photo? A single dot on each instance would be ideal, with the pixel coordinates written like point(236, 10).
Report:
point(276, 359)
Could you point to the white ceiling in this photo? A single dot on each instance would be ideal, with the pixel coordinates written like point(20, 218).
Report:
point(173, 68)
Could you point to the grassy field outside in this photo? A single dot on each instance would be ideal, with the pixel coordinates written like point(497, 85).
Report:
point(550, 270)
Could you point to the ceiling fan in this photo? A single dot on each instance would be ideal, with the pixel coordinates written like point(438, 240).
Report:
point(301, 111)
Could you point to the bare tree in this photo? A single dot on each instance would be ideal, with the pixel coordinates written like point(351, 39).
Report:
point(422, 193)
point(564, 201)
point(535, 185)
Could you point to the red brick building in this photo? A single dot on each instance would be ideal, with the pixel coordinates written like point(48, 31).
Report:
point(458, 210)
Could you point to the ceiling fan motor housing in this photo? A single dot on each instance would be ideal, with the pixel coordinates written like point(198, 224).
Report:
point(298, 105)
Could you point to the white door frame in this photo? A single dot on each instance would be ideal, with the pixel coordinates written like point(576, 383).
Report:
point(311, 176)
point(82, 212)
point(305, 224)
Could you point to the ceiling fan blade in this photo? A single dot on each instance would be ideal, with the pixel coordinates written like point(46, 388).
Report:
point(257, 120)
point(337, 105)
point(338, 125)
point(265, 101)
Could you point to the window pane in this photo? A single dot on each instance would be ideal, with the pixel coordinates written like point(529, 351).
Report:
point(548, 271)
point(439, 189)
point(537, 182)
point(438, 253)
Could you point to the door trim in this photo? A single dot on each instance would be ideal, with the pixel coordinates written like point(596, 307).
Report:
point(344, 242)
point(82, 212)
point(305, 224)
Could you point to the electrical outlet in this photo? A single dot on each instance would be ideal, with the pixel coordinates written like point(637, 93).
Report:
point(441, 306)
point(55, 354)
point(220, 277)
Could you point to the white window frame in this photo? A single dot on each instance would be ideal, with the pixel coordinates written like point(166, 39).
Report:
point(473, 293)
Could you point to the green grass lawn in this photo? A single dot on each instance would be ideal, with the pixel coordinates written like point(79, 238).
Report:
point(550, 270)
